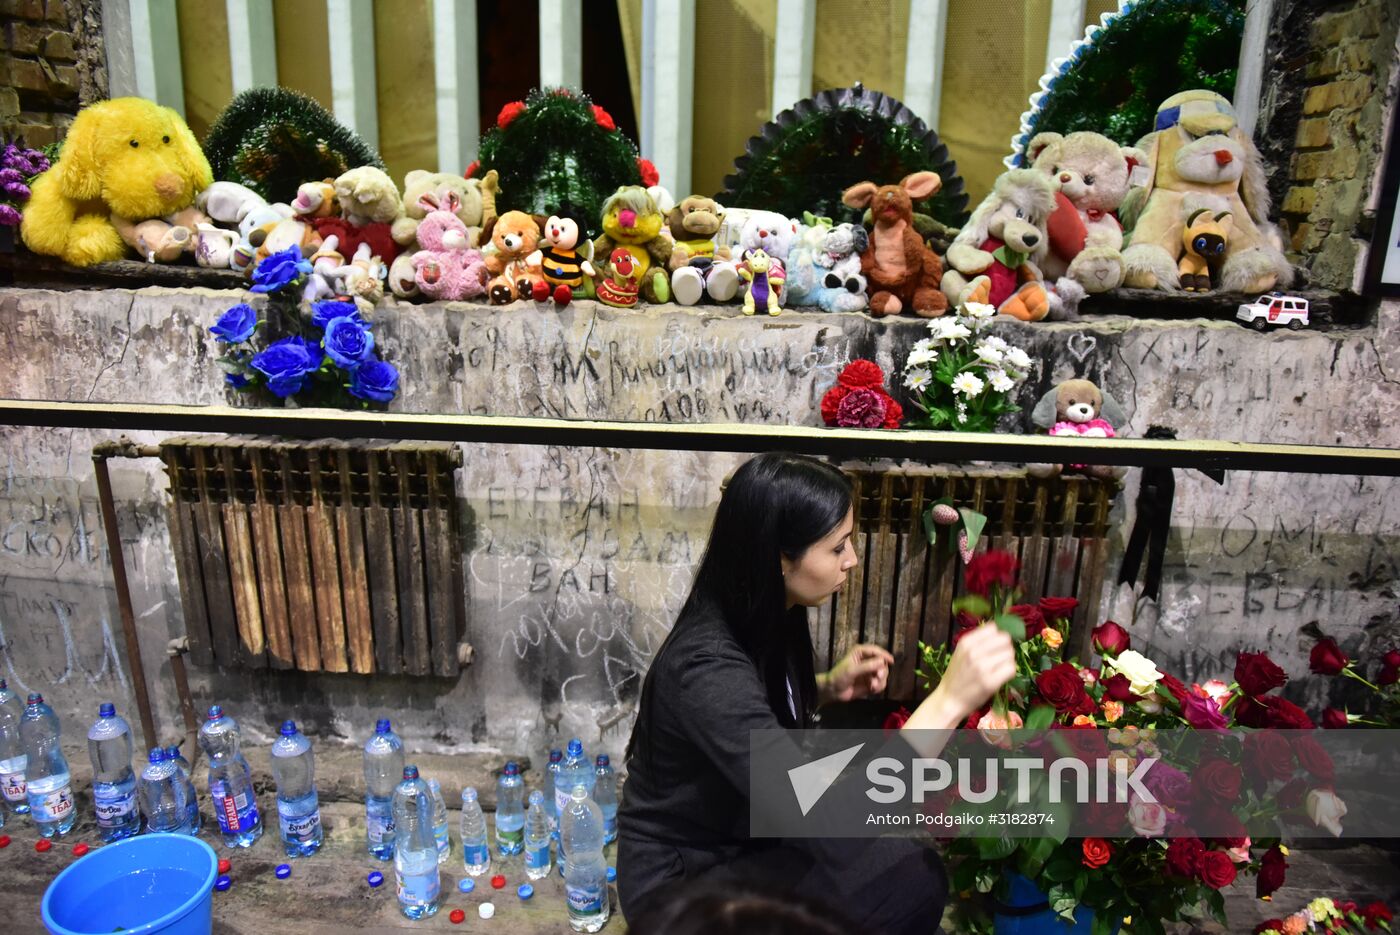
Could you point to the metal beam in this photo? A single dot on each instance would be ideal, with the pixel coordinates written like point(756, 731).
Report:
point(668, 83)
point(796, 37)
point(252, 44)
point(918, 446)
point(1066, 25)
point(155, 51)
point(354, 97)
point(458, 88)
point(561, 43)
point(923, 58)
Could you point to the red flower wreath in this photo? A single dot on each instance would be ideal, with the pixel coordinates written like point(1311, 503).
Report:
point(650, 176)
point(866, 380)
point(603, 118)
point(472, 169)
point(509, 112)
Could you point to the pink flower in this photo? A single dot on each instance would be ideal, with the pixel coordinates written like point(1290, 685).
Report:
point(1149, 819)
point(1240, 854)
point(862, 409)
point(995, 727)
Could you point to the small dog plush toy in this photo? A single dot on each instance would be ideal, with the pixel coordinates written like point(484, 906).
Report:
point(1203, 241)
point(1078, 407)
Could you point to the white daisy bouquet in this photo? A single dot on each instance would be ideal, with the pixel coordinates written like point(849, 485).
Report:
point(960, 378)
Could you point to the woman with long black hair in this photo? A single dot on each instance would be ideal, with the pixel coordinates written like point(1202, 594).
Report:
point(740, 658)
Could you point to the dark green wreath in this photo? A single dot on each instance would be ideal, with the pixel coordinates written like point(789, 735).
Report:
point(273, 139)
point(1147, 52)
point(557, 150)
point(805, 158)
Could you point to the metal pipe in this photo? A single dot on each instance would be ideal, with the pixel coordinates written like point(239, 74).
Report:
point(177, 651)
point(133, 643)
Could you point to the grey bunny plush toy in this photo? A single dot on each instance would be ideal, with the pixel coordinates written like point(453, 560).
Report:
point(1078, 408)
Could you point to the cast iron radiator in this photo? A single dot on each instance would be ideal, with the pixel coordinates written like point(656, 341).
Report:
point(901, 590)
point(323, 556)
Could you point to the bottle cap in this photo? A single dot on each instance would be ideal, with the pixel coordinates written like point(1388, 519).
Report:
point(382, 726)
point(579, 794)
point(603, 759)
point(555, 756)
point(575, 747)
point(80, 849)
point(222, 884)
point(466, 884)
point(283, 871)
point(107, 710)
point(512, 768)
point(4, 840)
point(289, 728)
point(612, 874)
point(42, 845)
point(375, 878)
point(536, 797)
point(457, 916)
point(410, 772)
point(225, 865)
point(486, 910)
point(498, 881)
point(157, 755)
point(36, 698)
point(525, 891)
point(172, 752)
point(3, 686)
point(215, 712)
point(469, 794)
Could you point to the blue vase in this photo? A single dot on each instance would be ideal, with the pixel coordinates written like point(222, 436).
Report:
point(1027, 912)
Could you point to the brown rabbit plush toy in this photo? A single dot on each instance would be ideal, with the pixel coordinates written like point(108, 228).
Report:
point(902, 271)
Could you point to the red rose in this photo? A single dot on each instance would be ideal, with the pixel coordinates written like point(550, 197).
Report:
point(472, 169)
point(1257, 674)
point(1174, 685)
point(1203, 713)
point(862, 373)
point(1096, 852)
point(1267, 755)
point(1291, 795)
point(1374, 914)
point(1313, 758)
point(1110, 639)
point(509, 112)
point(1216, 869)
point(895, 719)
point(1061, 686)
point(603, 119)
point(1272, 868)
point(1117, 688)
point(1334, 719)
point(986, 569)
point(1392, 659)
point(1183, 855)
point(1218, 780)
point(1285, 715)
point(1327, 658)
point(1389, 675)
point(650, 176)
point(1058, 608)
point(1030, 615)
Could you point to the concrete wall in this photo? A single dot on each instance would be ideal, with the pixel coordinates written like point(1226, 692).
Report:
point(579, 557)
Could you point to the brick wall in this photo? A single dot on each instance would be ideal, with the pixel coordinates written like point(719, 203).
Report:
point(1336, 126)
point(50, 61)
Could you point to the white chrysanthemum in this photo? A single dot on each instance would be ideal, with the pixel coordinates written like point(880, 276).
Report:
point(955, 331)
point(1000, 381)
point(992, 340)
point(979, 310)
point(969, 384)
point(918, 379)
point(1018, 358)
point(919, 357)
point(989, 355)
point(923, 344)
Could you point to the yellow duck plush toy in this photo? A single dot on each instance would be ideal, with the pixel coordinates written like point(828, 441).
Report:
point(127, 175)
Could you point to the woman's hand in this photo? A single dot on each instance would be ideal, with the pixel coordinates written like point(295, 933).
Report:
point(983, 661)
point(862, 672)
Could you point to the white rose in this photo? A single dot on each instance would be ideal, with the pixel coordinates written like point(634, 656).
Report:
point(1141, 672)
point(1326, 810)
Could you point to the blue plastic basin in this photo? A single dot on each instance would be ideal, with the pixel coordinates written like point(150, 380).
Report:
point(151, 883)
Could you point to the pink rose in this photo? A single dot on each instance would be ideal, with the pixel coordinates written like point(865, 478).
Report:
point(1149, 819)
point(995, 727)
point(1240, 854)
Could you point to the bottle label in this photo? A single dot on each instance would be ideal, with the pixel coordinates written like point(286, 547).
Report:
point(51, 806)
point(236, 813)
point(537, 858)
point(299, 827)
point(444, 844)
point(510, 837)
point(417, 889)
point(476, 855)
point(113, 805)
point(563, 798)
point(12, 785)
point(585, 900)
point(379, 825)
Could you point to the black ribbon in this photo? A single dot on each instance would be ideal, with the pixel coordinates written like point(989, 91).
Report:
point(1154, 521)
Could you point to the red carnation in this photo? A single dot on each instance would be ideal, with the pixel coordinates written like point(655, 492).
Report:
point(472, 169)
point(860, 374)
point(509, 112)
point(894, 412)
point(1257, 674)
point(603, 119)
point(1061, 686)
point(1216, 869)
point(1096, 852)
point(1374, 914)
point(1058, 608)
point(1334, 719)
point(1110, 639)
point(990, 568)
point(1272, 869)
point(1327, 658)
point(650, 176)
point(1183, 855)
point(831, 402)
point(861, 409)
point(1031, 616)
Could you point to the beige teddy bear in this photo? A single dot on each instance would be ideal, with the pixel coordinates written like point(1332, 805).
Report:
point(367, 196)
point(425, 192)
point(1092, 175)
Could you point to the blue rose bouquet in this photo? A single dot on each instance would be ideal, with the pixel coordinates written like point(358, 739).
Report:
point(327, 355)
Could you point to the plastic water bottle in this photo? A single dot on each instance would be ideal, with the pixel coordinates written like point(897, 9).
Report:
point(298, 809)
point(440, 822)
point(46, 777)
point(537, 838)
point(586, 876)
point(383, 769)
point(230, 781)
point(605, 794)
point(510, 811)
point(173, 754)
point(476, 854)
point(551, 775)
point(113, 782)
point(415, 849)
point(11, 753)
point(163, 795)
point(576, 770)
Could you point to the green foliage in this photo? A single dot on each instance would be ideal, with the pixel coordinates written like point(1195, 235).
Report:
point(273, 139)
point(1144, 56)
point(806, 157)
point(558, 154)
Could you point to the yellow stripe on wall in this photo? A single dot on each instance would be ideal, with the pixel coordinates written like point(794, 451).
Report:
point(205, 63)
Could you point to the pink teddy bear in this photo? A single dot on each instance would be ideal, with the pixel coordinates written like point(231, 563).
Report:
point(447, 267)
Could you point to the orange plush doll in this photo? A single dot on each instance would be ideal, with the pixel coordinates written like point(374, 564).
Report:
point(902, 272)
